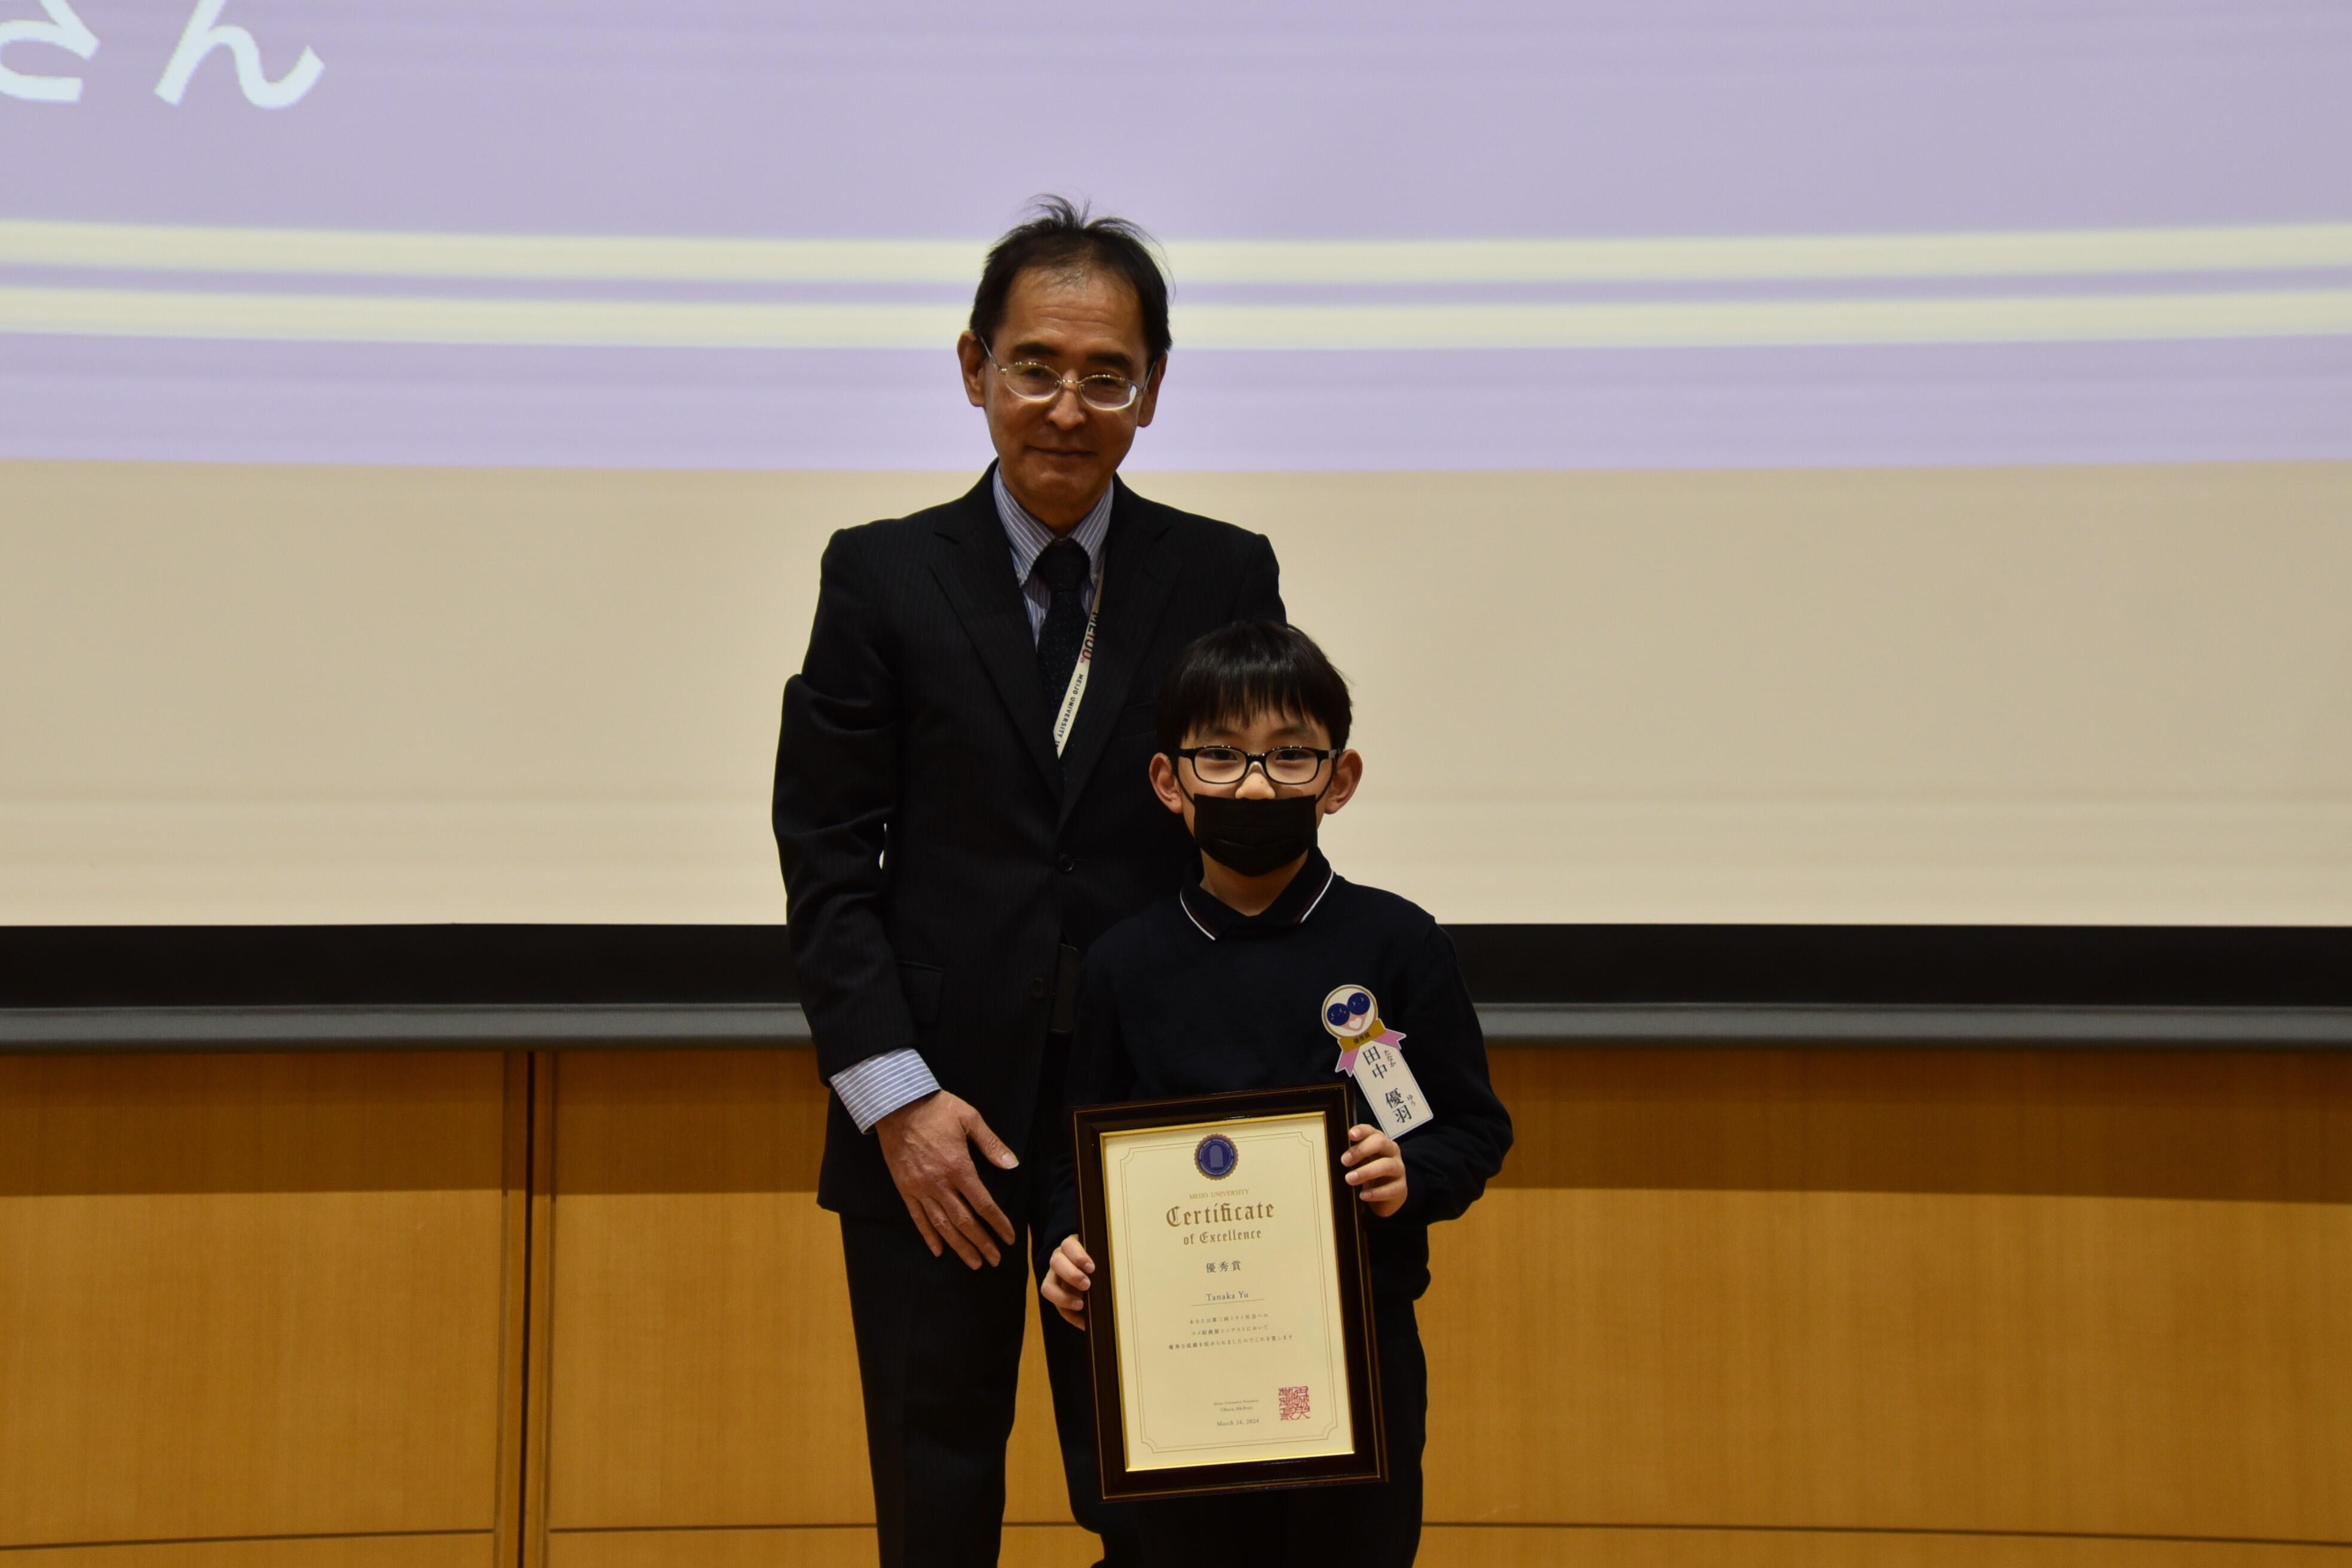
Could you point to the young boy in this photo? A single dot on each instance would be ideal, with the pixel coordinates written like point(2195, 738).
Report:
point(1226, 987)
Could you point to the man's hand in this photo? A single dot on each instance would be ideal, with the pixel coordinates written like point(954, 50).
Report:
point(1375, 1169)
point(928, 1143)
point(1067, 1283)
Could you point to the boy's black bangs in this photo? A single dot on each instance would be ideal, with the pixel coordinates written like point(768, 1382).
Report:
point(1237, 672)
point(1235, 707)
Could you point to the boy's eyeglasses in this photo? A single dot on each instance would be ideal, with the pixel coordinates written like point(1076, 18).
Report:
point(1036, 382)
point(1231, 764)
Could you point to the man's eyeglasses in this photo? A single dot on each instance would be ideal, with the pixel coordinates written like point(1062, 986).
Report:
point(1231, 764)
point(1035, 383)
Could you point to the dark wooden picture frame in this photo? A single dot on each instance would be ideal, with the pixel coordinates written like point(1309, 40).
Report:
point(1368, 1461)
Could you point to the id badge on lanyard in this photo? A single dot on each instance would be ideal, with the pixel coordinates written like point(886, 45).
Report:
point(1075, 693)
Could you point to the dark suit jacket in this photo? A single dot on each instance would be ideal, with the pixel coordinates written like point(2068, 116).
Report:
point(936, 852)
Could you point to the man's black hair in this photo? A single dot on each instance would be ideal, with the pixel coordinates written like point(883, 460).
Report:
point(1239, 672)
point(1064, 236)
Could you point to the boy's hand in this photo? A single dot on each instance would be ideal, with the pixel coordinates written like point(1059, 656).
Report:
point(1067, 1283)
point(1375, 1169)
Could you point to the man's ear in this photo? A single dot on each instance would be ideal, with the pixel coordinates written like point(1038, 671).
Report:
point(1347, 772)
point(972, 357)
point(1163, 783)
point(1150, 404)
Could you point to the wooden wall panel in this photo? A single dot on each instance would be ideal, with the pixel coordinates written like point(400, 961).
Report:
point(470, 1549)
point(2092, 1123)
point(2092, 1293)
point(702, 1367)
point(1834, 1298)
point(1459, 1546)
point(801, 1546)
point(1894, 1362)
point(1470, 1546)
point(250, 1296)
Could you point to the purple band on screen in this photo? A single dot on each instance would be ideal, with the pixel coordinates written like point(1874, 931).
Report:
point(1217, 119)
point(1684, 409)
point(1373, 120)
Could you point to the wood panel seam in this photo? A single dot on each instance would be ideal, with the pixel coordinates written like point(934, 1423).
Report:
point(538, 1314)
point(244, 1540)
point(1905, 1532)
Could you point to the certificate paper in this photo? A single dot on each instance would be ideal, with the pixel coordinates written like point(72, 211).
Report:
point(1235, 1346)
point(1220, 1281)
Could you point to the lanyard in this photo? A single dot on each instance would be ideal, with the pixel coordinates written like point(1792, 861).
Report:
point(1075, 693)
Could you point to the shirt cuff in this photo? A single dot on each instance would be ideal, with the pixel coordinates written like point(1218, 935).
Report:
point(880, 1084)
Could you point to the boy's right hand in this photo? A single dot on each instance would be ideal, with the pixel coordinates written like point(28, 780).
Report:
point(1067, 1281)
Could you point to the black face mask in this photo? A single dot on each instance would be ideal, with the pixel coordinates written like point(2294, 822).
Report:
point(1254, 836)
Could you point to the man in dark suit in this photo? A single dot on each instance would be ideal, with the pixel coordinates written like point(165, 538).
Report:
point(962, 804)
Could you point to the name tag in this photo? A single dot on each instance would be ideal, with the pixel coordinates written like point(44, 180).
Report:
point(1388, 1087)
point(1368, 1050)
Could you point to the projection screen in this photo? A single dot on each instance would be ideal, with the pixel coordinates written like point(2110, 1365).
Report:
point(1810, 460)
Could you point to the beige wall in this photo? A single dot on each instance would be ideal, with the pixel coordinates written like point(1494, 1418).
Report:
point(288, 694)
point(1925, 1308)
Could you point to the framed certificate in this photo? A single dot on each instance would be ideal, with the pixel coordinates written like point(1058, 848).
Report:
point(1230, 1317)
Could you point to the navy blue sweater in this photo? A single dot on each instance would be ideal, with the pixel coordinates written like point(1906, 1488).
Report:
point(1191, 998)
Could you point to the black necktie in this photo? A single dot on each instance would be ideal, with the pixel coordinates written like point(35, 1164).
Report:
point(1062, 567)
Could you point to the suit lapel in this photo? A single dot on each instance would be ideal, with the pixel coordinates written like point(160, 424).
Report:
point(974, 565)
point(1139, 575)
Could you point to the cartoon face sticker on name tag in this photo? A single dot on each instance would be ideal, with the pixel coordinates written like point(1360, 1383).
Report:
point(1349, 1012)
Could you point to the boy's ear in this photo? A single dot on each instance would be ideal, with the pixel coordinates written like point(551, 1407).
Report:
point(1163, 783)
point(1347, 772)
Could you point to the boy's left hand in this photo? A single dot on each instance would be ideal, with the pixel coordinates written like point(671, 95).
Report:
point(1375, 1169)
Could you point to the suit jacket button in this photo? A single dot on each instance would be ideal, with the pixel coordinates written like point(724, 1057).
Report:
point(1065, 864)
point(1038, 989)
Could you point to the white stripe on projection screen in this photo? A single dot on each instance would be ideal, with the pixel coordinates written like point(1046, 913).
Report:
point(2260, 247)
point(637, 323)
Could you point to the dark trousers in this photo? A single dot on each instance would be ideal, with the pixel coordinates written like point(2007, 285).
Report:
point(939, 1354)
point(1359, 1526)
